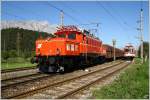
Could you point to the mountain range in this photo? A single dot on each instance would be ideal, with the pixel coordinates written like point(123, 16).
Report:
point(41, 26)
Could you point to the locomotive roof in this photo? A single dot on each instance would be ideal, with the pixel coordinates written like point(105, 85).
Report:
point(73, 28)
point(89, 34)
point(68, 28)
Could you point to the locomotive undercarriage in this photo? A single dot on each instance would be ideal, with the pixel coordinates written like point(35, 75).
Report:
point(63, 64)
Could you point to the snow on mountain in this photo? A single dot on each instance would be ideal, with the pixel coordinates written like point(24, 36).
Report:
point(42, 26)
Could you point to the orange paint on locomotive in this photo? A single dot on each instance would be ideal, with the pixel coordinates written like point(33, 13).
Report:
point(62, 45)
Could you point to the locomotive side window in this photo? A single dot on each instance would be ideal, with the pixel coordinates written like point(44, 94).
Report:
point(72, 36)
point(68, 47)
point(61, 35)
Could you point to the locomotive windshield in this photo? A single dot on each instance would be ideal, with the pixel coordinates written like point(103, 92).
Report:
point(126, 50)
point(72, 36)
point(62, 35)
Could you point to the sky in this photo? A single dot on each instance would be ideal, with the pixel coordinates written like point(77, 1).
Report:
point(117, 19)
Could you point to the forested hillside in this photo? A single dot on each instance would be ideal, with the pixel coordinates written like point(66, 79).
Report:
point(22, 40)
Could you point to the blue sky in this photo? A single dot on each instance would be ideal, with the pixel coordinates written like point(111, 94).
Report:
point(118, 19)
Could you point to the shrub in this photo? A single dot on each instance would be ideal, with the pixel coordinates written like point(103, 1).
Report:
point(5, 55)
point(16, 60)
point(26, 54)
point(12, 53)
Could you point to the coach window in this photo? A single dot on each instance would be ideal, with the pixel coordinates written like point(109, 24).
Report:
point(131, 50)
point(62, 35)
point(72, 36)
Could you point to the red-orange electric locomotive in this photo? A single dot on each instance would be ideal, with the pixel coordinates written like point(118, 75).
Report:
point(70, 48)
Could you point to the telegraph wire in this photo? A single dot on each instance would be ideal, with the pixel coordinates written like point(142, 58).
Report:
point(66, 5)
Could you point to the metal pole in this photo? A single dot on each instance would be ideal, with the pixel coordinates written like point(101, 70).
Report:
point(61, 18)
point(114, 53)
point(141, 30)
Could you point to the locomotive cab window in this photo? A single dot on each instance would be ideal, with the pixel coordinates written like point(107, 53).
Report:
point(62, 35)
point(126, 50)
point(72, 36)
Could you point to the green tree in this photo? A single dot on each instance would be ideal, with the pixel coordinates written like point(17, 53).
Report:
point(145, 49)
point(26, 43)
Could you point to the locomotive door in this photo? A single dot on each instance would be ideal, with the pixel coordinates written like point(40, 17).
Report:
point(85, 44)
point(77, 48)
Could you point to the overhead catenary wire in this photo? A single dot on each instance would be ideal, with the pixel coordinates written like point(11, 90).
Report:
point(80, 24)
point(109, 13)
point(29, 11)
point(73, 18)
point(121, 18)
point(66, 5)
point(84, 24)
point(76, 11)
point(65, 13)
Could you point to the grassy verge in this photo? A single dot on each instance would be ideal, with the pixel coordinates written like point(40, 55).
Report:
point(132, 84)
point(17, 62)
point(16, 65)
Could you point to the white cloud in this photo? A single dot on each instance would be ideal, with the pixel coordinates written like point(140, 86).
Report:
point(42, 26)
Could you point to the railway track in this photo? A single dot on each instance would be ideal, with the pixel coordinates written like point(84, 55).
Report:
point(75, 91)
point(67, 88)
point(51, 86)
point(23, 79)
point(19, 72)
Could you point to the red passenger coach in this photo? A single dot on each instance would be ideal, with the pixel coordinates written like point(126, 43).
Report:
point(70, 47)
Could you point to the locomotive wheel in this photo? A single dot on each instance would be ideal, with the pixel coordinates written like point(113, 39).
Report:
point(64, 69)
point(61, 69)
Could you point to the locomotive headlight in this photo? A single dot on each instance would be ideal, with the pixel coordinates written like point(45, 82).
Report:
point(39, 45)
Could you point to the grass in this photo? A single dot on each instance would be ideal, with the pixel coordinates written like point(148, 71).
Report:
point(133, 84)
point(16, 62)
point(16, 65)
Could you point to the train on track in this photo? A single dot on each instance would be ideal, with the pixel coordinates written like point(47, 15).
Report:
point(129, 51)
point(70, 48)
